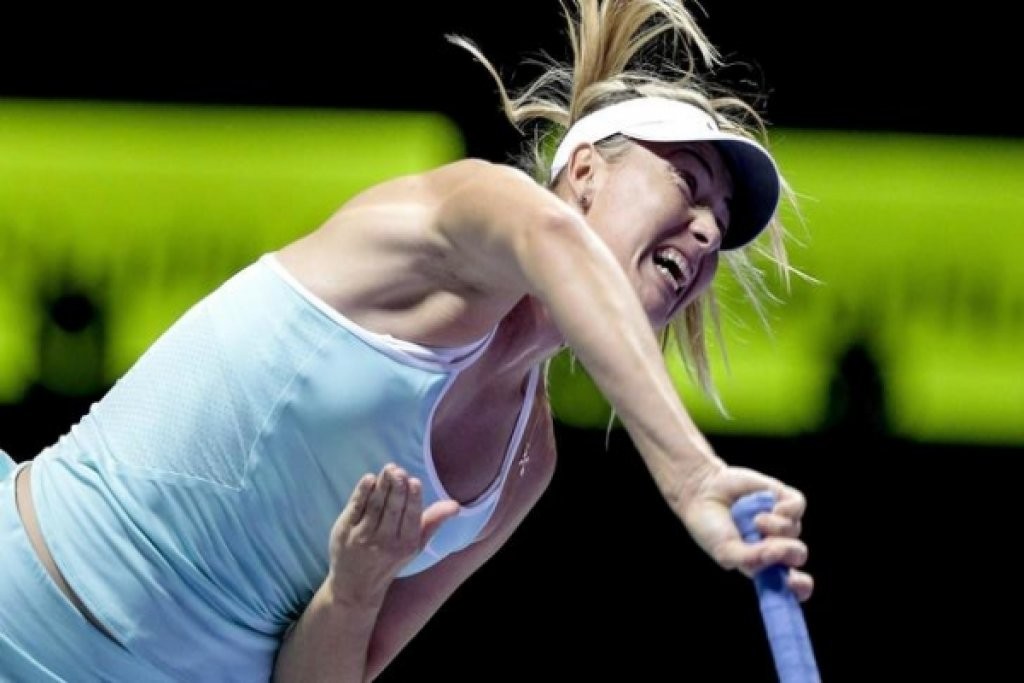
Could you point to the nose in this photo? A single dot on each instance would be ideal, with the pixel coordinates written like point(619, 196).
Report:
point(704, 228)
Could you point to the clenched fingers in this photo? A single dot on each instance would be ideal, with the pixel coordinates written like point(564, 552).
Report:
point(792, 503)
point(771, 524)
point(787, 551)
point(753, 557)
point(800, 583)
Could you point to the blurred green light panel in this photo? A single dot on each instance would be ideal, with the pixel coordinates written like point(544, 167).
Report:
point(145, 208)
point(918, 243)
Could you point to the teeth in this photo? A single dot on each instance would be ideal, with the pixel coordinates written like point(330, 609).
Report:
point(668, 276)
point(673, 255)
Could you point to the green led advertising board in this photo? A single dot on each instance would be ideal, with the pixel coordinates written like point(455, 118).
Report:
point(914, 242)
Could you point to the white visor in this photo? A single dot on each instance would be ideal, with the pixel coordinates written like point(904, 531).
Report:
point(755, 177)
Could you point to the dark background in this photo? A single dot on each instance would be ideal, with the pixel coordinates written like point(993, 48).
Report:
point(911, 544)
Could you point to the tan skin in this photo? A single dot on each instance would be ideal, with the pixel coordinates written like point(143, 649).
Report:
point(441, 258)
point(655, 195)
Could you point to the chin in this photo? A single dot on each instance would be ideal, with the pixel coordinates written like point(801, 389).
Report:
point(658, 321)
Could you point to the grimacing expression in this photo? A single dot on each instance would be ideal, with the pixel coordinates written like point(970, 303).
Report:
point(663, 209)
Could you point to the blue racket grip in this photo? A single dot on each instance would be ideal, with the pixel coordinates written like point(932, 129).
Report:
point(780, 610)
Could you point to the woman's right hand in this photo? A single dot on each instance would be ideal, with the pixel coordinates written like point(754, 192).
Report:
point(706, 510)
point(382, 528)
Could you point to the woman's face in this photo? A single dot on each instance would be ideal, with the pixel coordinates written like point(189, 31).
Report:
point(663, 209)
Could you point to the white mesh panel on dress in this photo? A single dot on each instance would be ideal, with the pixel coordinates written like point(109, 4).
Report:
point(181, 409)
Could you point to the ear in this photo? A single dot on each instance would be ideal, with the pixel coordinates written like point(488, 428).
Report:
point(585, 168)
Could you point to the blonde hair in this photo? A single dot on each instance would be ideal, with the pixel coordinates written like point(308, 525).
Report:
point(612, 43)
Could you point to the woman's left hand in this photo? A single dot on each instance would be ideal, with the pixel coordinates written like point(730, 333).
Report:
point(382, 527)
point(706, 512)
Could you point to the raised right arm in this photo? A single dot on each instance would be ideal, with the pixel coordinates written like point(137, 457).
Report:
point(509, 235)
point(514, 237)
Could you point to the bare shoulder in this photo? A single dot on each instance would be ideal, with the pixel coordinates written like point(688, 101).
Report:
point(427, 187)
point(450, 177)
point(458, 186)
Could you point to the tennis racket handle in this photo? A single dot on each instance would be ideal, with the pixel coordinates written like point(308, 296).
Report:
point(780, 610)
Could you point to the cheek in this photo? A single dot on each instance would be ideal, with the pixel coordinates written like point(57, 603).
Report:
point(618, 233)
point(709, 270)
point(707, 276)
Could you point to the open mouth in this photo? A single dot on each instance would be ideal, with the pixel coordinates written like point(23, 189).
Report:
point(673, 268)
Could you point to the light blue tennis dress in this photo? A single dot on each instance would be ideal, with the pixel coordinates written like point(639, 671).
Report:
point(190, 510)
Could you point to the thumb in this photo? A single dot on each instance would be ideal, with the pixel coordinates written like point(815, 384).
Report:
point(434, 516)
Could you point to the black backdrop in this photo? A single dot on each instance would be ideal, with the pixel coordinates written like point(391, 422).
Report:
point(911, 543)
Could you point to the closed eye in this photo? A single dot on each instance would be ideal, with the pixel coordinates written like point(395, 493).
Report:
point(688, 182)
point(691, 183)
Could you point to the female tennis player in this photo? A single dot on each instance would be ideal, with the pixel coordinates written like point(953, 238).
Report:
point(387, 368)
